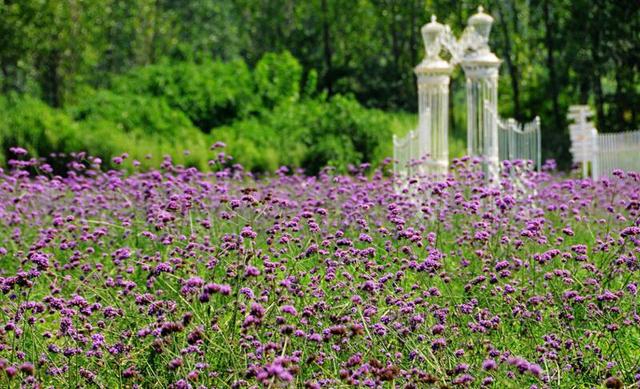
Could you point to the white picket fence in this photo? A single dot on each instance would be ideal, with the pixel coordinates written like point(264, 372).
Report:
point(617, 151)
point(403, 150)
point(600, 154)
point(520, 141)
point(410, 152)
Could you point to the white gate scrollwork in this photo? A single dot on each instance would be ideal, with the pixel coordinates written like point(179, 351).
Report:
point(488, 137)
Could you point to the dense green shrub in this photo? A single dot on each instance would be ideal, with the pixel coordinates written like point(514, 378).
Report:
point(146, 127)
point(132, 113)
point(210, 94)
point(217, 93)
point(278, 79)
point(266, 117)
point(30, 123)
point(312, 133)
point(274, 139)
point(367, 130)
point(102, 138)
point(105, 125)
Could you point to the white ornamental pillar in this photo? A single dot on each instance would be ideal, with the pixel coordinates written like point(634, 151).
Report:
point(433, 75)
point(481, 70)
point(584, 140)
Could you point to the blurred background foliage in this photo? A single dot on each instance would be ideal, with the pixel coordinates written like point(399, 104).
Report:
point(289, 82)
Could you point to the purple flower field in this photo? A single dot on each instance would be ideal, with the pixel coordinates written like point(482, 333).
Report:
point(180, 278)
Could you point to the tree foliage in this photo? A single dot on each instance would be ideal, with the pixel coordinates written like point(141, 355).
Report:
point(555, 52)
point(210, 93)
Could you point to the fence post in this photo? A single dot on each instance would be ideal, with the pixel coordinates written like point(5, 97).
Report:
point(396, 170)
point(433, 75)
point(481, 70)
point(584, 140)
point(538, 131)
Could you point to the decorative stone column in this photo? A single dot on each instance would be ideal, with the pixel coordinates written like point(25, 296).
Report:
point(481, 70)
point(433, 75)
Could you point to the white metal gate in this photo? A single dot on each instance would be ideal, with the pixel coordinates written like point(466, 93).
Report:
point(488, 137)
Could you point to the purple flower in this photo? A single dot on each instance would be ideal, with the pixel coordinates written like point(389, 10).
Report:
point(11, 371)
point(218, 145)
point(489, 364)
point(251, 271)
point(438, 343)
point(463, 379)
point(18, 151)
point(534, 369)
point(27, 368)
point(289, 309)
point(247, 232)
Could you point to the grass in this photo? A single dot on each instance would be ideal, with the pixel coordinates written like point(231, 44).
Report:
point(141, 260)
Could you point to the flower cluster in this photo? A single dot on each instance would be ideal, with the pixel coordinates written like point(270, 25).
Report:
point(185, 279)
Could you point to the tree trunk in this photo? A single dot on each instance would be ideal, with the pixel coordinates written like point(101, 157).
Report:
point(8, 78)
point(153, 42)
point(514, 15)
point(413, 34)
point(583, 89)
point(551, 65)
point(458, 5)
point(596, 62)
point(621, 102)
point(511, 67)
point(51, 82)
point(328, 54)
point(395, 45)
point(597, 88)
